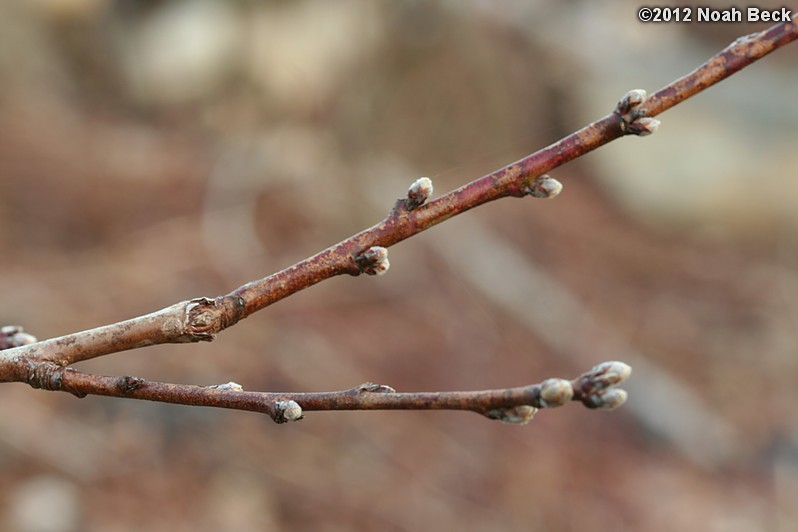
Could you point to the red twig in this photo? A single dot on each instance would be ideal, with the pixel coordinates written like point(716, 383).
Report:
point(201, 318)
point(596, 388)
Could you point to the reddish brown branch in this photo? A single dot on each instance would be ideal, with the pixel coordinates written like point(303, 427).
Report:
point(201, 318)
point(738, 55)
point(516, 179)
point(596, 388)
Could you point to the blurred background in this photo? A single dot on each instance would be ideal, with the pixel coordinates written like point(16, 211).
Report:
point(155, 151)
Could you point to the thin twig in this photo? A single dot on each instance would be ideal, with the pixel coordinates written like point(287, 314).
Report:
point(200, 319)
point(596, 388)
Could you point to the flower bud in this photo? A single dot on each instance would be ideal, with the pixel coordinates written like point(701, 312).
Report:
point(374, 261)
point(419, 192)
point(231, 386)
point(608, 374)
point(644, 126)
point(287, 411)
point(545, 187)
point(15, 336)
point(609, 399)
point(516, 415)
point(633, 98)
point(555, 392)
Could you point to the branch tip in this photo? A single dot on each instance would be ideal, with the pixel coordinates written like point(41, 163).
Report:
point(597, 387)
point(418, 193)
point(607, 374)
point(15, 336)
point(373, 261)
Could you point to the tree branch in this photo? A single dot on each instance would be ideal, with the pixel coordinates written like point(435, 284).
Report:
point(596, 388)
point(43, 364)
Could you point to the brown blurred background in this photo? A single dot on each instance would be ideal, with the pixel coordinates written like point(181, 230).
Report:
point(154, 151)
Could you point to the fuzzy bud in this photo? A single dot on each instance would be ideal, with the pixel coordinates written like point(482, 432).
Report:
point(545, 187)
point(285, 411)
point(644, 126)
point(596, 387)
point(631, 100)
point(14, 336)
point(128, 384)
point(607, 399)
point(373, 261)
point(370, 387)
point(633, 118)
point(419, 192)
point(230, 386)
point(516, 415)
point(555, 392)
point(608, 374)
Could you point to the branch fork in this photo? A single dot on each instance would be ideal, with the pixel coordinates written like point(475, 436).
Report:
point(46, 364)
